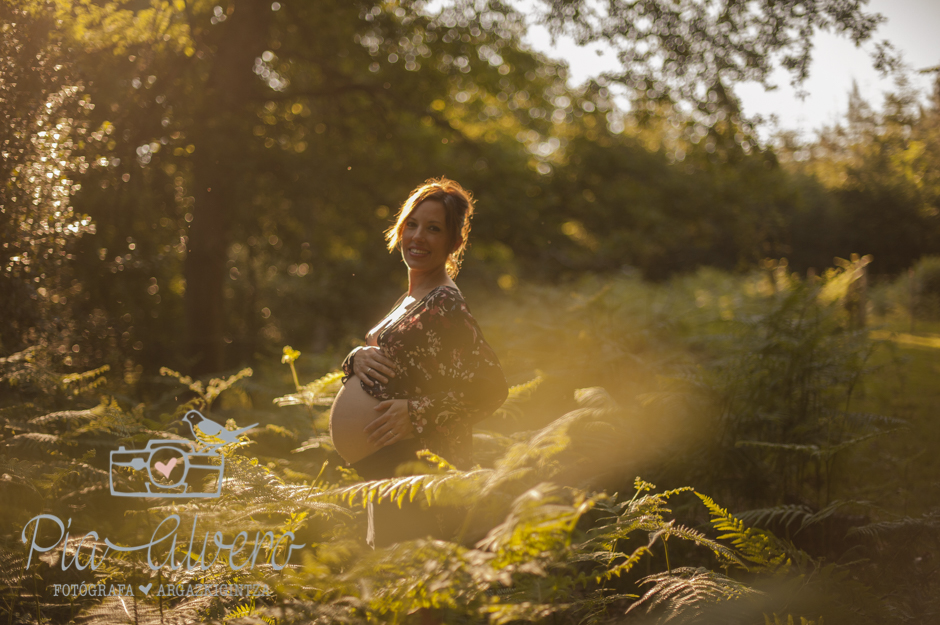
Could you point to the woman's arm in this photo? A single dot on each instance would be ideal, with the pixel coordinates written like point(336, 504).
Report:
point(368, 363)
point(349, 363)
point(465, 380)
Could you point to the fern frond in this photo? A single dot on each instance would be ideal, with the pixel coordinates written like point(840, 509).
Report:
point(785, 515)
point(869, 419)
point(518, 395)
point(829, 452)
point(448, 488)
point(554, 439)
point(824, 452)
point(489, 446)
point(35, 444)
point(539, 523)
point(595, 397)
point(63, 416)
point(626, 565)
point(320, 392)
point(828, 511)
point(425, 574)
point(433, 458)
point(79, 475)
point(207, 392)
point(758, 547)
point(910, 526)
point(315, 442)
point(688, 589)
point(217, 386)
point(694, 536)
point(243, 611)
point(86, 381)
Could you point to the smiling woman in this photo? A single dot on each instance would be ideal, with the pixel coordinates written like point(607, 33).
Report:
point(426, 374)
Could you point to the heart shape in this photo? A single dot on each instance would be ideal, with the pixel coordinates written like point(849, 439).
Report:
point(165, 468)
point(146, 589)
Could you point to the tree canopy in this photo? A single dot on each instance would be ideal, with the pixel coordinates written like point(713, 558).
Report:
point(247, 157)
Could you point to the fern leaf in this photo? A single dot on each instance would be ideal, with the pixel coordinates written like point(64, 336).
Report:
point(756, 546)
point(688, 589)
point(243, 611)
point(35, 444)
point(320, 392)
point(908, 526)
point(63, 416)
point(785, 515)
point(518, 395)
point(624, 566)
point(828, 511)
point(444, 488)
point(86, 381)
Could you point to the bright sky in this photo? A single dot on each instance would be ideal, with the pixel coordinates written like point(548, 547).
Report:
point(913, 26)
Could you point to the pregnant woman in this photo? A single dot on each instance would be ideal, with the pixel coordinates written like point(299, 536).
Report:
point(426, 374)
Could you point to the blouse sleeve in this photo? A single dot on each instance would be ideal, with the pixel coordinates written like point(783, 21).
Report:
point(348, 365)
point(468, 382)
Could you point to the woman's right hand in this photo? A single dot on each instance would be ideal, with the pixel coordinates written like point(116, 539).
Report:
point(370, 363)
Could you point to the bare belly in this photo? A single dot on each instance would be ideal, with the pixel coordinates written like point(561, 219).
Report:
point(353, 410)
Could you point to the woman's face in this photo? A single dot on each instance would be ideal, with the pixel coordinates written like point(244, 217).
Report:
point(425, 244)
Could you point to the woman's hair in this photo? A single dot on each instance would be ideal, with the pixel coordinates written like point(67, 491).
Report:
point(458, 209)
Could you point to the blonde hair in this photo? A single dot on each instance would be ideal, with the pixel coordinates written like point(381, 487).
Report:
point(458, 209)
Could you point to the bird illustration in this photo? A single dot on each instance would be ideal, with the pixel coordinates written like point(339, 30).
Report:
point(204, 428)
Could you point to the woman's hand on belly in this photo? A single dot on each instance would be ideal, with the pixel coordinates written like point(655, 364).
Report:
point(371, 363)
point(392, 425)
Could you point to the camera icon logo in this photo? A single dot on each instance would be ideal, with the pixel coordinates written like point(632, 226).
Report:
point(174, 468)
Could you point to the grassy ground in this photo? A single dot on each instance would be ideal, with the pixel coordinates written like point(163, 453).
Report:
point(907, 386)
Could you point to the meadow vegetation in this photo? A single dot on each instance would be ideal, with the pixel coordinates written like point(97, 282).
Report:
point(792, 457)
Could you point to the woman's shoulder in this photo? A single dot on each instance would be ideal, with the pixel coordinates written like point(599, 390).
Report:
point(444, 298)
point(445, 291)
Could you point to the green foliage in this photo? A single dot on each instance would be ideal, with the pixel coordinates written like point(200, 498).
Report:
point(320, 392)
point(687, 590)
point(873, 186)
point(927, 287)
point(207, 392)
point(45, 112)
point(683, 51)
point(917, 294)
point(560, 548)
point(518, 396)
point(785, 388)
point(758, 547)
point(545, 533)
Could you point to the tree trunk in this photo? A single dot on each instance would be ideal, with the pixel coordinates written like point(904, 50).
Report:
point(217, 176)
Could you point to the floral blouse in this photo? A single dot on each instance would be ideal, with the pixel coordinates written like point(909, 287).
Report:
point(444, 368)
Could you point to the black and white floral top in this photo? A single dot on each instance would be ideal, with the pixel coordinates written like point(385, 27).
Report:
point(444, 368)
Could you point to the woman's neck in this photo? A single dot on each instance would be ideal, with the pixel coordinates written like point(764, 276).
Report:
point(420, 284)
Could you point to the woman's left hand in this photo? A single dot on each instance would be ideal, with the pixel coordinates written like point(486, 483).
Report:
point(392, 426)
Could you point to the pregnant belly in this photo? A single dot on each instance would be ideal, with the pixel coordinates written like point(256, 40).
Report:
point(353, 409)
